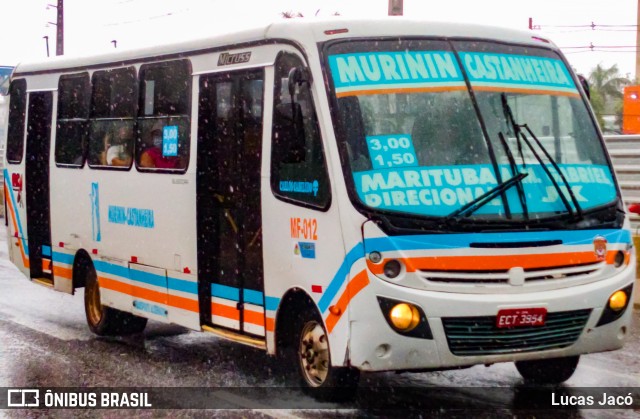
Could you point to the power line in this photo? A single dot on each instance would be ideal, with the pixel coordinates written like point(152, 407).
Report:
point(600, 50)
point(592, 26)
point(591, 46)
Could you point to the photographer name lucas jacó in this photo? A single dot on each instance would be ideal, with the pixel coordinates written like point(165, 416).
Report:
point(603, 400)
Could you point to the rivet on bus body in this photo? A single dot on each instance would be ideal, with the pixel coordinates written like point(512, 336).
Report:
point(94, 251)
point(335, 310)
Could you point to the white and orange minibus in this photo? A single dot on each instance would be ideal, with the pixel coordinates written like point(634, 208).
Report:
point(359, 195)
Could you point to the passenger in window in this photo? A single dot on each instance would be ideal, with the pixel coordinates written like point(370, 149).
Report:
point(153, 157)
point(118, 153)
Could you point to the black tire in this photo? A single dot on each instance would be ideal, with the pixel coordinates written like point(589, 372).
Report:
point(318, 377)
point(107, 321)
point(548, 371)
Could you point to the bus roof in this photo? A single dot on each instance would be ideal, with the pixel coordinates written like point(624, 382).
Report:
point(304, 31)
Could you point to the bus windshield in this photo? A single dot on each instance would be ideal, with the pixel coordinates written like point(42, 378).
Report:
point(479, 129)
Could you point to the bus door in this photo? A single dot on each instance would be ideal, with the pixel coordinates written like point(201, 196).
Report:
point(37, 185)
point(230, 266)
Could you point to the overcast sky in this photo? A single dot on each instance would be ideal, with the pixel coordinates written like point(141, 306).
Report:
point(91, 25)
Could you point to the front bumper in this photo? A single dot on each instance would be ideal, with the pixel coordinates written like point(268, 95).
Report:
point(375, 346)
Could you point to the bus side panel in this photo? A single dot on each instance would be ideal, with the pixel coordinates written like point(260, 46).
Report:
point(160, 233)
point(16, 217)
point(304, 250)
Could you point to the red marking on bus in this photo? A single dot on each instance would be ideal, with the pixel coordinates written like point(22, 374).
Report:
point(186, 270)
point(94, 251)
point(316, 288)
point(336, 31)
point(134, 259)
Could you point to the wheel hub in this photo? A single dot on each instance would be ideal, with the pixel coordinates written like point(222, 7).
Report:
point(314, 354)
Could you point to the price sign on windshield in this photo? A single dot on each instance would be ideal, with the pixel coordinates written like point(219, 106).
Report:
point(170, 141)
point(388, 151)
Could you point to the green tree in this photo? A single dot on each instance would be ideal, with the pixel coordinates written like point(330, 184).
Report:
point(606, 91)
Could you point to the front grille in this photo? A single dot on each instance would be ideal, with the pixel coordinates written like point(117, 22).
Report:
point(502, 277)
point(479, 335)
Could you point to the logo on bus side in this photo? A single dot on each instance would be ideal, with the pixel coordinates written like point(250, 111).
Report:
point(229, 59)
point(16, 183)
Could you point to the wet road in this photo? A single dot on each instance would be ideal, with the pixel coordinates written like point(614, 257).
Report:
point(44, 341)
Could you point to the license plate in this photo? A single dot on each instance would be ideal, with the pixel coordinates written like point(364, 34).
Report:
point(518, 317)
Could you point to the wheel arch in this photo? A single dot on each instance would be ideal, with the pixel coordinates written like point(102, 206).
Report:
point(81, 262)
point(295, 304)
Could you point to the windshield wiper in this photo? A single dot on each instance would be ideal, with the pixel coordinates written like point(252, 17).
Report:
point(576, 204)
point(485, 198)
point(514, 170)
point(521, 135)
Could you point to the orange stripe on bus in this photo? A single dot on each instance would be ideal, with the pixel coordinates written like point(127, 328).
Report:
point(225, 311)
point(400, 90)
point(525, 90)
point(221, 310)
point(61, 272)
point(155, 296)
point(114, 285)
point(494, 262)
point(254, 317)
point(356, 285)
point(184, 303)
point(271, 324)
point(25, 260)
point(233, 313)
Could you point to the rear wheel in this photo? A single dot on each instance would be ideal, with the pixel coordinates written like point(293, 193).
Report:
point(319, 378)
point(105, 321)
point(548, 371)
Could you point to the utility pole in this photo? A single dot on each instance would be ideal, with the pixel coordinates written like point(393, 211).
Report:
point(60, 28)
point(396, 8)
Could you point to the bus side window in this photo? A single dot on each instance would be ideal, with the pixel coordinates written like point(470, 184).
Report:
point(163, 119)
point(112, 118)
point(298, 168)
point(17, 112)
point(73, 114)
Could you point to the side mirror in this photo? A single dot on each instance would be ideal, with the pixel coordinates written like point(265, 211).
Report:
point(298, 76)
point(585, 85)
point(635, 208)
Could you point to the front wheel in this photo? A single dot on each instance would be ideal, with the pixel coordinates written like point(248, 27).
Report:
point(548, 371)
point(319, 378)
point(106, 321)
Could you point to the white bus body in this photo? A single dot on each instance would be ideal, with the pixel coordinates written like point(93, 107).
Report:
point(314, 235)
